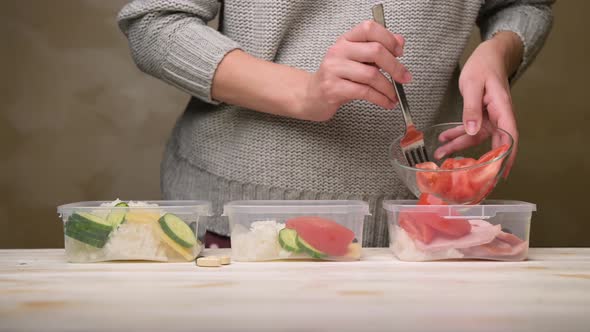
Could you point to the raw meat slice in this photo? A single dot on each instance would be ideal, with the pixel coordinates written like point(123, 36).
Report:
point(505, 245)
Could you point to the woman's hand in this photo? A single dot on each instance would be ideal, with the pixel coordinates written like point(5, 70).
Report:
point(350, 70)
point(486, 95)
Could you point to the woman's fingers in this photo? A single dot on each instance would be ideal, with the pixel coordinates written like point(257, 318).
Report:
point(370, 31)
point(367, 75)
point(460, 143)
point(451, 134)
point(500, 105)
point(472, 91)
point(350, 90)
point(373, 52)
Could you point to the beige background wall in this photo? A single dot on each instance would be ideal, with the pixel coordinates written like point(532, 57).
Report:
point(79, 122)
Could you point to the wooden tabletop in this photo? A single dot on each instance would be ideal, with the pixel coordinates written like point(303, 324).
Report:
point(549, 292)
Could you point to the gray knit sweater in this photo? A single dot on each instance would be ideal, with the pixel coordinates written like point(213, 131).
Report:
point(221, 152)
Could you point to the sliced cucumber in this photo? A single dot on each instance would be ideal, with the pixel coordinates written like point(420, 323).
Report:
point(91, 221)
point(307, 248)
point(117, 216)
point(88, 228)
point(288, 240)
point(88, 238)
point(178, 230)
point(80, 227)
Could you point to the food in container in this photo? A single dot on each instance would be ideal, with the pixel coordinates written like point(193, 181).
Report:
point(296, 229)
point(154, 231)
point(494, 230)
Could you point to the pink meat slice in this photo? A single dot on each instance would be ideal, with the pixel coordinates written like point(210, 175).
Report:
point(504, 245)
point(482, 232)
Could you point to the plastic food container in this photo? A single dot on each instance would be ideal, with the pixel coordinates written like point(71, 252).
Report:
point(296, 229)
point(161, 231)
point(495, 230)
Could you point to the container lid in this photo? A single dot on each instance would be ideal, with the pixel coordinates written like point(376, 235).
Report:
point(180, 207)
point(296, 206)
point(487, 209)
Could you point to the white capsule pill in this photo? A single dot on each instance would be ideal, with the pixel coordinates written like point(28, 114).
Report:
point(225, 260)
point(209, 261)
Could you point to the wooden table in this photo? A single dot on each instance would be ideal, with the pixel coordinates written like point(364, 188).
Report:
point(550, 292)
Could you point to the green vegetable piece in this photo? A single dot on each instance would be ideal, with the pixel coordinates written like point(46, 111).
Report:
point(311, 251)
point(117, 215)
point(288, 240)
point(88, 228)
point(178, 230)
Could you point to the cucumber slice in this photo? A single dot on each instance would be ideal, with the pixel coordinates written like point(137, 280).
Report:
point(80, 227)
point(117, 216)
point(91, 221)
point(88, 228)
point(178, 230)
point(87, 238)
point(288, 240)
point(307, 248)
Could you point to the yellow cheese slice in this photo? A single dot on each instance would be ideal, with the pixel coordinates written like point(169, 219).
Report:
point(354, 251)
point(142, 217)
point(186, 253)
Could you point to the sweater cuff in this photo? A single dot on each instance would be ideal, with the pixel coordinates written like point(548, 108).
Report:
point(192, 58)
point(531, 24)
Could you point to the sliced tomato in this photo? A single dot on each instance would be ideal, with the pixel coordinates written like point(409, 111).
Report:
point(431, 182)
point(449, 163)
point(426, 180)
point(413, 223)
point(461, 189)
point(464, 162)
point(482, 176)
point(461, 186)
point(452, 228)
point(490, 155)
point(428, 199)
point(323, 234)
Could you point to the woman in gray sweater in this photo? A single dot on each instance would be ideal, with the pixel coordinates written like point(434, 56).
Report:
point(286, 104)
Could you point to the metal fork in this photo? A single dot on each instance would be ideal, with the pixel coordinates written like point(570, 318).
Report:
point(412, 144)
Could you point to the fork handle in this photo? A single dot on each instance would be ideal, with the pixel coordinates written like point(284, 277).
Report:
point(379, 17)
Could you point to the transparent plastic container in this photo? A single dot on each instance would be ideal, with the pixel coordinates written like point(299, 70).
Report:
point(494, 230)
point(163, 231)
point(296, 229)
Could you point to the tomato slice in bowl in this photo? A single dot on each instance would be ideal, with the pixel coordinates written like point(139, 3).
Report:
point(431, 182)
point(461, 189)
point(483, 178)
point(465, 180)
point(464, 162)
point(490, 155)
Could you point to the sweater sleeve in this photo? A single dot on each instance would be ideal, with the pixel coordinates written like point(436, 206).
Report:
point(531, 20)
point(170, 40)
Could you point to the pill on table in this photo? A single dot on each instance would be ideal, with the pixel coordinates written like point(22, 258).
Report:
point(209, 261)
point(225, 260)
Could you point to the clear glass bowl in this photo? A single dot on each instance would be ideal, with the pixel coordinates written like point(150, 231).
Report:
point(463, 184)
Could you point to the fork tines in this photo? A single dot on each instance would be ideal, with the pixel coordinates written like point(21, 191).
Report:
point(416, 153)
